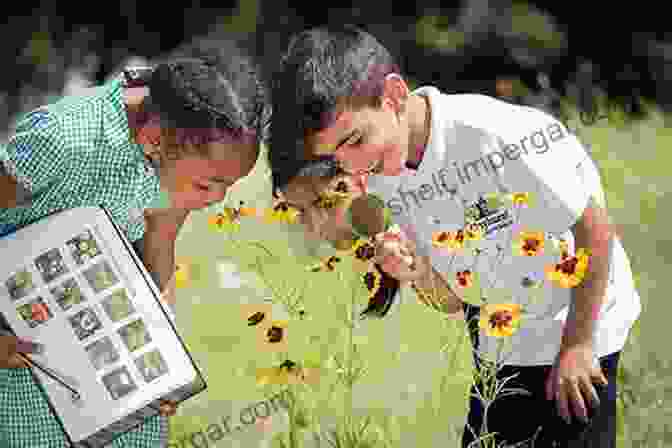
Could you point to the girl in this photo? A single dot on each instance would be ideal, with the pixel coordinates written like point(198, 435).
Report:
point(199, 116)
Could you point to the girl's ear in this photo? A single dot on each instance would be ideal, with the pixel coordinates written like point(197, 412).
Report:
point(395, 92)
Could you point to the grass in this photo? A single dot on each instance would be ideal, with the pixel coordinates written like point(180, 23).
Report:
point(414, 393)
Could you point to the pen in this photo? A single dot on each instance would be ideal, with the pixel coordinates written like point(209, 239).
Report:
point(38, 366)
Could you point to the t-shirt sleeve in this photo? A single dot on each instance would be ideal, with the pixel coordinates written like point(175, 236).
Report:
point(36, 154)
point(549, 166)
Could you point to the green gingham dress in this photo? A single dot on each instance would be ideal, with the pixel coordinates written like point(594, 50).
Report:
point(75, 152)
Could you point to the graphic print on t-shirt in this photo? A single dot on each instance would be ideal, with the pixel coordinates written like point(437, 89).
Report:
point(488, 219)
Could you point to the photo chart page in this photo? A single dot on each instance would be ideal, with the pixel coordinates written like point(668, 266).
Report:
point(69, 283)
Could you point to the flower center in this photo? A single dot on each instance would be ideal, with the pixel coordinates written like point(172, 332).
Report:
point(569, 266)
point(274, 334)
point(531, 245)
point(255, 318)
point(365, 252)
point(501, 319)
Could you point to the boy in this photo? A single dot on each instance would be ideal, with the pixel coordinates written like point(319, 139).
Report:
point(436, 160)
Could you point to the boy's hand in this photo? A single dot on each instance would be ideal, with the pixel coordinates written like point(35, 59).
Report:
point(397, 256)
point(571, 381)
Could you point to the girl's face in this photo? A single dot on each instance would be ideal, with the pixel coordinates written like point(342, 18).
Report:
point(194, 181)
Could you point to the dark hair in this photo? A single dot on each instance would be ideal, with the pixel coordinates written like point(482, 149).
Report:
point(208, 90)
point(322, 67)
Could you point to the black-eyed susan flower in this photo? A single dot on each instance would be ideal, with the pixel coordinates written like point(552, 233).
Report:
point(500, 320)
point(450, 241)
point(465, 279)
point(381, 302)
point(473, 232)
point(529, 244)
point(282, 212)
point(273, 336)
point(227, 220)
point(571, 271)
point(182, 273)
point(289, 372)
point(363, 251)
point(326, 265)
point(371, 280)
point(256, 315)
point(522, 199)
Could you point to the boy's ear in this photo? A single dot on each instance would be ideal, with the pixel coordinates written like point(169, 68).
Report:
point(395, 92)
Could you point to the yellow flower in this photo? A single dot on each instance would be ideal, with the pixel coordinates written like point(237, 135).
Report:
point(273, 337)
point(286, 373)
point(500, 320)
point(282, 212)
point(326, 265)
point(371, 280)
point(450, 241)
point(227, 221)
point(363, 251)
point(520, 199)
point(182, 272)
point(571, 270)
point(330, 201)
point(473, 232)
point(257, 315)
point(529, 244)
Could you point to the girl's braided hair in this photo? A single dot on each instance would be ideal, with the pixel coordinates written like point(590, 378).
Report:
point(209, 91)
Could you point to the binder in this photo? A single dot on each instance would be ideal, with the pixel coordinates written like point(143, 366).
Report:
point(73, 282)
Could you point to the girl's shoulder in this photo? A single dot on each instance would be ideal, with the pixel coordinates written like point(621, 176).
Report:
point(79, 110)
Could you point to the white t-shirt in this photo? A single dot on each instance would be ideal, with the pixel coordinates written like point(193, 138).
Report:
point(480, 145)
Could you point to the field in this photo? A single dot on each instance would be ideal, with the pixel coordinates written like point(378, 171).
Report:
point(415, 392)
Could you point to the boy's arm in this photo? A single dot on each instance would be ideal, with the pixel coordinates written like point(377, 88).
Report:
point(433, 290)
point(593, 232)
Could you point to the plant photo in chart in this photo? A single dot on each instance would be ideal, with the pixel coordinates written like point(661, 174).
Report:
point(35, 312)
point(51, 265)
point(119, 383)
point(151, 365)
point(117, 306)
point(101, 276)
point(68, 294)
point(20, 284)
point(135, 335)
point(83, 248)
point(85, 323)
point(102, 353)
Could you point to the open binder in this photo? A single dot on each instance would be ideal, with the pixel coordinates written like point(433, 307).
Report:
point(73, 282)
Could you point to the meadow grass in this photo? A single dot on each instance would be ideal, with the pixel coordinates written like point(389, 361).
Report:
point(414, 388)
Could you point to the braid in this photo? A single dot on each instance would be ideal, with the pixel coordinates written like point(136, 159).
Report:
point(214, 88)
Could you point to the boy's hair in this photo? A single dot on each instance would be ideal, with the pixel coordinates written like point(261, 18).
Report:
point(322, 68)
point(208, 90)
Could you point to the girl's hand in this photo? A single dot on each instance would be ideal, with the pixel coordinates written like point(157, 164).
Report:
point(167, 220)
point(10, 346)
point(167, 408)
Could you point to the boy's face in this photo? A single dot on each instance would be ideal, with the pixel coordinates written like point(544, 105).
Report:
point(303, 193)
point(367, 140)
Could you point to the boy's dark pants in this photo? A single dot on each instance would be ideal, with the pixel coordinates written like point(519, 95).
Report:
point(517, 418)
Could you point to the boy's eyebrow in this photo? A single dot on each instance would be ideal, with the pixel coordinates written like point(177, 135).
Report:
point(346, 138)
point(219, 179)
